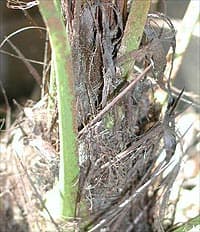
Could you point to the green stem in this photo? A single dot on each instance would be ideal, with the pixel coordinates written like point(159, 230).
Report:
point(191, 224)
point(51, 13)
point(133, 32)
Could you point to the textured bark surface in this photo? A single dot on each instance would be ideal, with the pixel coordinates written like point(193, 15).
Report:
point(117, 152)
point(96, 33)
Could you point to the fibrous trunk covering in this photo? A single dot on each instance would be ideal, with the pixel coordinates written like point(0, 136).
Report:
point(118, 149)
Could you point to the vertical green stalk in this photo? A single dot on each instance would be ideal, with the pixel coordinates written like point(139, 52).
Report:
point(51, 13)
point(131, 41)
point(133, 31)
